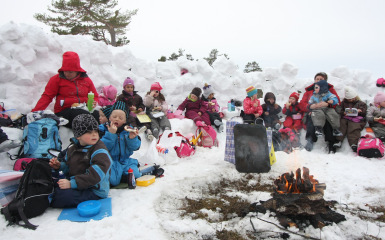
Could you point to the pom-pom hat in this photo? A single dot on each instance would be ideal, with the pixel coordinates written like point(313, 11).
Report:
point(207, 90)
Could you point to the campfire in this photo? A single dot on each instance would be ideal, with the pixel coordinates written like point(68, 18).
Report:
point(288, 183)
point(298, 201)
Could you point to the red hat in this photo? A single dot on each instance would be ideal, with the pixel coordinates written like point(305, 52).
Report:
point(156, 86)
point(294, 95)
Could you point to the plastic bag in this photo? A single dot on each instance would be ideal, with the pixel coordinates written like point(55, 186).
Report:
point(152, 156)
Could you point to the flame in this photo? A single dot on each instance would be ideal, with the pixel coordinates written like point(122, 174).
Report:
point(290, 183)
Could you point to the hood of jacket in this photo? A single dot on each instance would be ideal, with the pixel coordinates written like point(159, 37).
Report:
point(269, 95)
point(110, 92)
point(71, 62)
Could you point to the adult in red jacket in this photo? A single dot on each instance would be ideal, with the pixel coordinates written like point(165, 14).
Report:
point(69, 87)
point(306, 108)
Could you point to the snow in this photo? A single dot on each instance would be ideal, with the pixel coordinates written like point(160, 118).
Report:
point(29, 57)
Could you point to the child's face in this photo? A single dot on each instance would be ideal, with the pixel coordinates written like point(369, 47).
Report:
point(193, 97)
point(156, 93)
point(211, 96)
point(129, 88)
point(316, 88)
point(102, 117)
point(318, 78)
point(118, 118)
point(271, 100)
point(382, 104)
point(292, 100)
point(89, 138)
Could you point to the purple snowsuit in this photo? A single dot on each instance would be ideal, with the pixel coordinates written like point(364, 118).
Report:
point(192, 109)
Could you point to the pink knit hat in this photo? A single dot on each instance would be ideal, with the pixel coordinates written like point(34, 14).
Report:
point(379, 98)
point(156, 86)
point(128, 81)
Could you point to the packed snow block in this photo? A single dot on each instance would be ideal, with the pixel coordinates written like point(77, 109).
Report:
point(251, 149)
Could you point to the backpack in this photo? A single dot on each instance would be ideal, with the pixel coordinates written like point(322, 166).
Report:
point(370, 147)
point(32, 196)
point(185, 149)
point(22, 163)
point(39, 137)
point(208, 138)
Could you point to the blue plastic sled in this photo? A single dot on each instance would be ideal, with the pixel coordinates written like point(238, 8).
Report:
point(72, 214)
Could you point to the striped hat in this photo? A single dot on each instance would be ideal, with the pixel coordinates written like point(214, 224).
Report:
point(119, 105)
point(251, 91)
point(107, 111)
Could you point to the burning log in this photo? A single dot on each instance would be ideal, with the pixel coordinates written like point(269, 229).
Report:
point(298, 200)
point(288, 183)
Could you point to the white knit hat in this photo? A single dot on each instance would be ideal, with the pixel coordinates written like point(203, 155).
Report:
point(207, 90)
point(350, 93)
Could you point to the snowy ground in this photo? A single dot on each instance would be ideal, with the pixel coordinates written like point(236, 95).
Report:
point(29, 56)
point(154, 211)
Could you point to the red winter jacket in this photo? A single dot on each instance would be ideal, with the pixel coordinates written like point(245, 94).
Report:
point(67, 91)
point(304, 103)
point(249, 108)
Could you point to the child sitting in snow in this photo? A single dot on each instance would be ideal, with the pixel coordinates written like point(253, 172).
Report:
point(104, 114)
point(108, 96)
point(376, 116)
point(133, 102)
point(196, 108)
point(293, 113)
point(319, 116)
point(351, 126)
point(156, 103)
point(270, 111)
point(252, 108)
point(213, 107)
point(121, 141)
point(86, 165)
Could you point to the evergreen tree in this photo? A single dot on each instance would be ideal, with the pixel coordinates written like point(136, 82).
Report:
point(89, 17)
point(173, 57)
point(214, 54)
point(252, 67)
point(181, 51)
point(162, 59)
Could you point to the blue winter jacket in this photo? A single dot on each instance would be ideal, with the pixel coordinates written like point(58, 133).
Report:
point(324, 97)
point(120, 146)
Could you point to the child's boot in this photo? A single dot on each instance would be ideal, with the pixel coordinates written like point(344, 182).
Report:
point(337, 133)
point(155, 132)
point(150, 137)
point(318, 131)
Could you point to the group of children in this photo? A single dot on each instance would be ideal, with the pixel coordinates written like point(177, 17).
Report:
point(343, 122)
point(107, 164)
point(100, 153)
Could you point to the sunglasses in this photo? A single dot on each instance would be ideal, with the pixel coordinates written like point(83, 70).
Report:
point(316, 87)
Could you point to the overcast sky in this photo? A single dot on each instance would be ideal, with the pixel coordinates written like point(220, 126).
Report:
point(312, 35)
